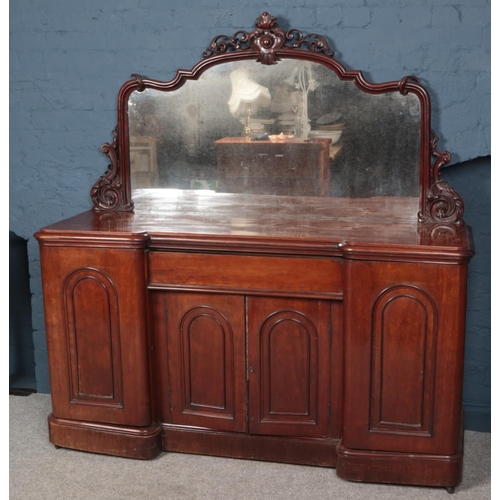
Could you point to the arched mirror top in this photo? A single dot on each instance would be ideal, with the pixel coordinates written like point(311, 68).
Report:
point(272, 113)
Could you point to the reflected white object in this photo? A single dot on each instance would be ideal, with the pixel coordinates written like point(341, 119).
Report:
point(334, 135)
point(247, 97)
point(246, 94)
point(306, 84)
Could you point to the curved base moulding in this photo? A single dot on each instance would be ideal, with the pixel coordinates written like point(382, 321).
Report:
point(400, 468)
point(129, 442)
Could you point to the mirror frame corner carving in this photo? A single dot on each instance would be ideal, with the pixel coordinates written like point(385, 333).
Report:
point(268, 44)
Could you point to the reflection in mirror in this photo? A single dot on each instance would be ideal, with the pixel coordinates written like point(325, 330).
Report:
point(293, 129)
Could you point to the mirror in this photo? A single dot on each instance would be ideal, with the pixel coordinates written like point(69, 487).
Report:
point(293, 128)
point(272, 113)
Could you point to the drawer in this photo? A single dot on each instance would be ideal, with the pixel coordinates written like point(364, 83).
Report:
point(287, 275)
point(276, 166)
point(247, 167)
point(276, 161)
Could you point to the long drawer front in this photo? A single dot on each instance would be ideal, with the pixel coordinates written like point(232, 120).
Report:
point(311, 277)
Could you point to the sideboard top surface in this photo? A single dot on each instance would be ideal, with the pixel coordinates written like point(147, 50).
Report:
point(239, 222)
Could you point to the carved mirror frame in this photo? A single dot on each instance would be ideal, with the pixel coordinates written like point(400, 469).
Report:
point(267, 44)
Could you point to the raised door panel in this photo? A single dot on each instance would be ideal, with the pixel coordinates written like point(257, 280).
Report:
point(205, 336)
point(288, 366)
point(92, 324)
point(403, 361)
point(403, 364)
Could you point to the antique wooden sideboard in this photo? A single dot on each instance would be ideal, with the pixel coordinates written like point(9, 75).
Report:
point(321, 328)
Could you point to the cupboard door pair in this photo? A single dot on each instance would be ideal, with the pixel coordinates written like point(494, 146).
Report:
point(284, 359)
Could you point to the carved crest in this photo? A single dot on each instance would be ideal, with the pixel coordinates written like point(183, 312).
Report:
point(266, 40)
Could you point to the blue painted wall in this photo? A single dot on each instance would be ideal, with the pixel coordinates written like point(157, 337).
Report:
point(472, 180)
point(68, 60)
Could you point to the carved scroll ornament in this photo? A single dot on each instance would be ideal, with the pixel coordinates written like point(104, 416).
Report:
point(107, 193)
point(442, 203)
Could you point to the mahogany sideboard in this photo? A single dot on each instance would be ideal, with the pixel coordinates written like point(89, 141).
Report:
point(322, 329)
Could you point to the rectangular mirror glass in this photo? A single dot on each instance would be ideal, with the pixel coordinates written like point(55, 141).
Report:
point(290, 129)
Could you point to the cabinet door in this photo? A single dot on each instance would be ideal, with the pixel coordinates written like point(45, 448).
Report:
point(288, 366)
point(205, 340)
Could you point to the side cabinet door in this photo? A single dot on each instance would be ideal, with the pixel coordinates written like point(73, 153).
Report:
point(204, 338)
point(288, 366)
point(97, 339)
point(403, 345)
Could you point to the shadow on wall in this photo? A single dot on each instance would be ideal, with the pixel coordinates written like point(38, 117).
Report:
point(472, 180)
point(21, 347)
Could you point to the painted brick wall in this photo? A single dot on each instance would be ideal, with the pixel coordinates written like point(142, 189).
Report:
point(472, 179)
point(68, 60)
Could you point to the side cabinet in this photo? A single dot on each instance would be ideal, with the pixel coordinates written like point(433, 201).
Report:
point(98, 346)
point(404, 348)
